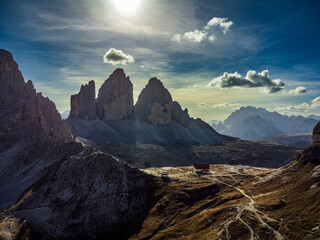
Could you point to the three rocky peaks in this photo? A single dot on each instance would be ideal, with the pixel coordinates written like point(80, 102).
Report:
point(115, 102)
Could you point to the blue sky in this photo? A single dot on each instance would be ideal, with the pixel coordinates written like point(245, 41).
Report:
point(211, 55)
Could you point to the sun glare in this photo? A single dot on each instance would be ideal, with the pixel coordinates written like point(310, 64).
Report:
point(127, 7)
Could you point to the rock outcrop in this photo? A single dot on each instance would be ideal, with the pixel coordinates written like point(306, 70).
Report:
point(181, 116)
point(83, 104)
point(316, 134)
point(23, 112)
point(115, 98)
point(154, 104)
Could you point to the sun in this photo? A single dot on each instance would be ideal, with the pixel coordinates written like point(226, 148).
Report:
point(127, 7)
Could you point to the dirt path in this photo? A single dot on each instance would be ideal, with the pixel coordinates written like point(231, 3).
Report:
point(249, 207)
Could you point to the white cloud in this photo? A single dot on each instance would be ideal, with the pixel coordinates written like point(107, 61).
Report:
point(223, 23)
point(114, 56)
point(298, 91)
point(316, 100)
point(212, 38)
point(201, 35)
point(251, 80)
point(177, 37)
point(232, 106)
point(195, 36)
point(315, 104)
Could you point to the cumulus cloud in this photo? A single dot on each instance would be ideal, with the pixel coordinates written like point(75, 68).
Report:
point(200, 35)
point(223, 23)
point(315, 104)
point(298, 91)
point(196, 36)
point(193, 36)
point(114, 56)
point(251, 80)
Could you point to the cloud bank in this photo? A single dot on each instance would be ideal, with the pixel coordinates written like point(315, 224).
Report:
point(114, 57)
point(232, 106)
point(315, 104)
point(251, 80)
point(200, 35)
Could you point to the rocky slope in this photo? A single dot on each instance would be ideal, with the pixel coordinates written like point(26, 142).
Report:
point(50, 186)
point(155, 119)
point(250, 123)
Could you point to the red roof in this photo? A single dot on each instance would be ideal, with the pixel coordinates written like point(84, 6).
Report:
point(201, 166)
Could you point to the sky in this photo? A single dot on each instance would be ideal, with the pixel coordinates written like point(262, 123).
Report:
point(213, 56)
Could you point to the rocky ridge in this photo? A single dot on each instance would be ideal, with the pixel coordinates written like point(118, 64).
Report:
point(155, 118)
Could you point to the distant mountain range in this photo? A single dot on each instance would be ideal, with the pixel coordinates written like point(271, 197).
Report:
point(250, 123)
point(316, 117)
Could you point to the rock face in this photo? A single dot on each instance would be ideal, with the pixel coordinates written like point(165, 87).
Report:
point(83, 104)
point(115, 98)
point(154, 104)
point(23, 113)
point(316, 134)
point(181, 116)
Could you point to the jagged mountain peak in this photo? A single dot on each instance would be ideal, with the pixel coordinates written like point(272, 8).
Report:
point(251, 123)
point(83, 103)
point(153, 105)
point(115, 97)
point(26, 114)
point(118, 75)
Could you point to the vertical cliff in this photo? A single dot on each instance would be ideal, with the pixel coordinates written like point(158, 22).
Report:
point(115, 97)
point(83, 104)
